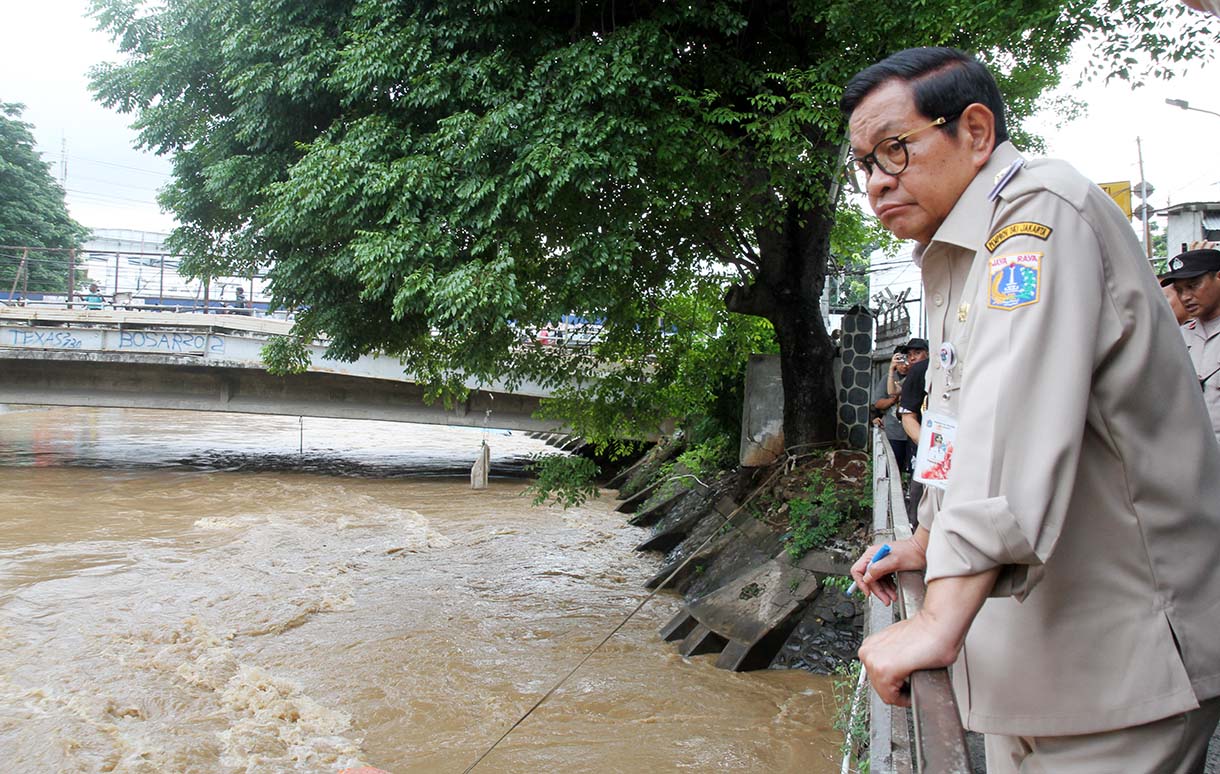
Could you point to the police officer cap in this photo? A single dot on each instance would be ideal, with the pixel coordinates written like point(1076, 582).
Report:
point(1191, 264)
point(915, 344)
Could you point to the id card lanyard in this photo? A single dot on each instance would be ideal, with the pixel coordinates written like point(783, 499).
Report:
point(937, 436)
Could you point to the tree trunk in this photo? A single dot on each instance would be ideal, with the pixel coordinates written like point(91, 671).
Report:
point(788, 291)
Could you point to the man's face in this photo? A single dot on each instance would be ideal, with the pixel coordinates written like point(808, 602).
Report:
point(1175, 303)
point(915, 355)
point(1200, 295)
point(913, 204)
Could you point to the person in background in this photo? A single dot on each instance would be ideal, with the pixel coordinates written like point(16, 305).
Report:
point(910, 402)
point(94, 299)
point(1194, 279)
point(885, 400)
point(1069, 543)
point(910, 414)
point(1179, 312)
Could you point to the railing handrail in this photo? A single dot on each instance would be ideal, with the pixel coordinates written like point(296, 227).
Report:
point(939, 740)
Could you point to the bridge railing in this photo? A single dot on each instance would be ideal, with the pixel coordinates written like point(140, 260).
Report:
point(123, 304)
point(929, 737)
point(83, 279)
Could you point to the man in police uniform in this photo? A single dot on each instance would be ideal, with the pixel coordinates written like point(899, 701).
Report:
point(1193, 275)
point(1070, 554)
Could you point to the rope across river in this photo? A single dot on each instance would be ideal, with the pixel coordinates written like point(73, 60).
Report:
point(780, 469)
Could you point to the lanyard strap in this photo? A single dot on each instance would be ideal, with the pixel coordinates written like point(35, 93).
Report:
point(1203, 381)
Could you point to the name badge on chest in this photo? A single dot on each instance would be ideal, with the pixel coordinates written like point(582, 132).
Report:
point(935, 455)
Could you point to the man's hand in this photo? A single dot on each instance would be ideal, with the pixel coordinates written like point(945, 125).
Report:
point(929, 640)
point(892, 654)
point(910, 554)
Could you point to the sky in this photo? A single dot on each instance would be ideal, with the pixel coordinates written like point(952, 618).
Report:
point(48, 46)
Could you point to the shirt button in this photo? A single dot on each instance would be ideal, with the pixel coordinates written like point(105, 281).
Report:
point(938, 299)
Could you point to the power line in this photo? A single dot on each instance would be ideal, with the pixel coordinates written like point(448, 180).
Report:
point(108, 182)
point(108, 197)
point(122, 166)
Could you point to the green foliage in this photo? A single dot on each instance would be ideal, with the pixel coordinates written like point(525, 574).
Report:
point(438, 181)
point(32, 211)
point(818, 514)
point(709, 457)
point(689, 364)
point(286, 355)
point(1160, 247)
point(852, 716)
point(840, 582)
point(563, 479)
point(855, 236)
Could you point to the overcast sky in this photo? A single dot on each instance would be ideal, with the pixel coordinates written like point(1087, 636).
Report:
point(47, 46)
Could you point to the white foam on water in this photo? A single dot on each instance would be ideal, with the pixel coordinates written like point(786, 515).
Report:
point(222, 523)
point(274, 726)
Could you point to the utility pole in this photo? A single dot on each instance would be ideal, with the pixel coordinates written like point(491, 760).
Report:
point(63, 162)
point(1144, 195)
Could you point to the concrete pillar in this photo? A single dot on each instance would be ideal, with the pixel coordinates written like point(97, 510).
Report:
point(762, 415)
point(854, 377)
point(481, 468)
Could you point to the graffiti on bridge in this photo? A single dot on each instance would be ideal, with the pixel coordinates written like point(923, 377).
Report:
point(172, 343)
point(46, 339)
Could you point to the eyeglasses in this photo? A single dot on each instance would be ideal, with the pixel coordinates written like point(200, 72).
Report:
point(890, 155)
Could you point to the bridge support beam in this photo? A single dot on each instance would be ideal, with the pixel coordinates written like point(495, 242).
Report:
point(44, 378)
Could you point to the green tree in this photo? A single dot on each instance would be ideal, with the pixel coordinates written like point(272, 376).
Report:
point(431, 179)
point(32, 211)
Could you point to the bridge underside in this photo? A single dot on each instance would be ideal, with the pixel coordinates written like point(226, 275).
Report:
point(81, 379)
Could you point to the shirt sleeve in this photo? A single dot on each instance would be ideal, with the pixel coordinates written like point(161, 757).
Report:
point(880, 390)
point(1026, 380)
point(913, 390)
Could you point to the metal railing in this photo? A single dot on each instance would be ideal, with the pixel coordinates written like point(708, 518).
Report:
point(87, 279)
point(928, 737)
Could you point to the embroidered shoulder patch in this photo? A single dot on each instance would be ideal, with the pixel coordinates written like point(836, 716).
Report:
point(1024, 228)
point(1014, 280)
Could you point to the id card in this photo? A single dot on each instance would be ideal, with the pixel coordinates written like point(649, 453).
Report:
point(935, 454)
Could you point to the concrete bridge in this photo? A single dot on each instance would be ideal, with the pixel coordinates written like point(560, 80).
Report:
point(212, 362)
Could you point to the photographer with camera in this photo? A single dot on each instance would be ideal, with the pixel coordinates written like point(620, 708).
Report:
point(887, 393)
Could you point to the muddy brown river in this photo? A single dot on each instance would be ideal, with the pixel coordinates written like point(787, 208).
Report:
point(192, 592)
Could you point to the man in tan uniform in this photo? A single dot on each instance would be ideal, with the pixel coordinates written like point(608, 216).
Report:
point(1193, 275)
point(1070, 541)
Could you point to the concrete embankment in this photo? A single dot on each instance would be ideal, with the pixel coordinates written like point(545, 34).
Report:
point(726, 542)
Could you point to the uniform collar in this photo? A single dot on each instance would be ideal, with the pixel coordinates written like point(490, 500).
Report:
point(963, 227)
point(1208, 328)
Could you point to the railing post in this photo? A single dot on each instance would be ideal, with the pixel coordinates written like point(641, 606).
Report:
point(25, 256)
point(939, 740)
point(71, 276)
point(881, 731)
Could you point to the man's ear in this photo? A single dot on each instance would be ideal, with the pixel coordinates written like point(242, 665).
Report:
point(976, 127)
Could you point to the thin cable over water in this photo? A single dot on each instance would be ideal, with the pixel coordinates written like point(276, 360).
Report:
point(629, 616)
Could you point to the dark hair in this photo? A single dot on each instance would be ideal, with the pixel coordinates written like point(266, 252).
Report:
point(944, 82)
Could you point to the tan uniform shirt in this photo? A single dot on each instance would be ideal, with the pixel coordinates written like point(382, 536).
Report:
point(1082, 465)
point(1203, 341)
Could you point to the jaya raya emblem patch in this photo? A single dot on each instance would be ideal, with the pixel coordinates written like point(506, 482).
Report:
point(1015, 280)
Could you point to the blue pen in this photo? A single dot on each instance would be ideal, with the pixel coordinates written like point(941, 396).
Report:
point(882, 552)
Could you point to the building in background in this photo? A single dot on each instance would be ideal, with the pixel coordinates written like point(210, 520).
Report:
point(889, 277)
point(136, 267)
point(1190, 222)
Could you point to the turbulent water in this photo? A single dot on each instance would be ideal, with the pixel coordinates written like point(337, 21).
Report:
point(220, 593)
